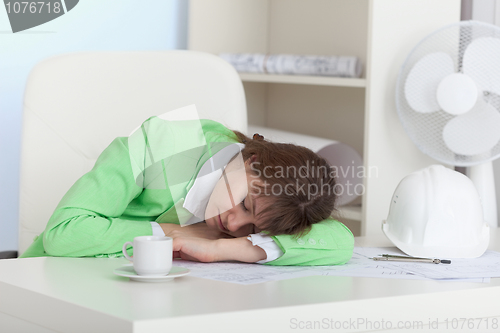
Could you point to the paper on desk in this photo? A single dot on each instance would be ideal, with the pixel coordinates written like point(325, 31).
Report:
point(250, 273)
point(488, 265)
point(359, 266)
point(481, 269)
point(240, 273)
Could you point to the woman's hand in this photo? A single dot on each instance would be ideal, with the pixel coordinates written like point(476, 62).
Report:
point(199, 230)
point(195, 249)
point(209, 250)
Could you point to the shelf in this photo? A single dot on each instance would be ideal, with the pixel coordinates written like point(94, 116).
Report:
point(351, 212)
point(301, 79)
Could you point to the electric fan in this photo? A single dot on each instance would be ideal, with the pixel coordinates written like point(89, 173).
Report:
point(448, 100)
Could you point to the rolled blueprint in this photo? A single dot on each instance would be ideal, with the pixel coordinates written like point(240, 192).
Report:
point(345, 161)
point(336, 66)
point(245, 62)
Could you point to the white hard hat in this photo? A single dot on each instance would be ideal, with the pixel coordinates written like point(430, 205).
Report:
point(436, 212)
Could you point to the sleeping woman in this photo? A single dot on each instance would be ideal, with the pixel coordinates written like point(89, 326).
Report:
point(220, 195)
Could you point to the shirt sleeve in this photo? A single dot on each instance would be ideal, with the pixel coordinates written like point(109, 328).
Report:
point(266, 243)
point(88, 220)
point(329, 242)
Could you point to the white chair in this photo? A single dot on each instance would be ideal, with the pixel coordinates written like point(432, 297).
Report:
point(76, 104)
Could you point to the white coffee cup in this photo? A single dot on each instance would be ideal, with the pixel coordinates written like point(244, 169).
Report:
point(152, 255)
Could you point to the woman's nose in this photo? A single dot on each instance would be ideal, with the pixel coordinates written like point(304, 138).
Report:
point(234, 220)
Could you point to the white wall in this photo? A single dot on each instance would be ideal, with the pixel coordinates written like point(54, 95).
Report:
point(91, 25)
point(488, 11)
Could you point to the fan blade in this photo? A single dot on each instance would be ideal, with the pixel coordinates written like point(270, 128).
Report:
point(474, 132)
point(481, 63)
point(422, 81)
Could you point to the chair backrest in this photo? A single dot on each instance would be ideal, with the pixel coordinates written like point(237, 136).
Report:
point(76, 104)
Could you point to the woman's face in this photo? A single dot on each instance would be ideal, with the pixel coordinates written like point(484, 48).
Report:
point(232, 207)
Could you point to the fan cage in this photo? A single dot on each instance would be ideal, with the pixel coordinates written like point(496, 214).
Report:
point(425, 129)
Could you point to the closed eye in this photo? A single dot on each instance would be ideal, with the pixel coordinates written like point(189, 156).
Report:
point(243, 205)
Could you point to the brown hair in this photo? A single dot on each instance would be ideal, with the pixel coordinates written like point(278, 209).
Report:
point(299, 183)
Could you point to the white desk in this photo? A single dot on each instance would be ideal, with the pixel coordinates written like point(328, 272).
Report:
point(83, 295)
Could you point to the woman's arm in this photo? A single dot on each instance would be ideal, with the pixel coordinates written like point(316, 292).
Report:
point(328, 243)
point(200, 230)
point(88, 219)
point(206, 250)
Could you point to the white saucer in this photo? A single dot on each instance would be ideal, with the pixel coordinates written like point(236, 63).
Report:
point(128, 271)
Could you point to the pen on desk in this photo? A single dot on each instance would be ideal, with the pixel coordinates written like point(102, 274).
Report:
point(389, 257)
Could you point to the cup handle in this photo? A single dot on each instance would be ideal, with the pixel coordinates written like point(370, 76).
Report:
point(124, 250)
